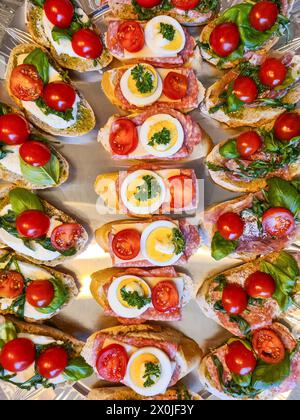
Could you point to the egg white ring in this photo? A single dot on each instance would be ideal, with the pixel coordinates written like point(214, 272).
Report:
point(147, 209)
point(149, 229)
point(163, 382)
point(156, 119)
point(140, 100)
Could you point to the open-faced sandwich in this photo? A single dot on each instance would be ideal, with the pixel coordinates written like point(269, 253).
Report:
point(141, 86)
point(244, 163)
point(245, 31)
point(142, 192)
point(261, 367)
point(253, 95)
point(162, 135)
point(44, 91)
point(34, 355)
point(145, 243)
point(37, 230)
point(254, 224)
point(64, 28)
point(252, 295)
point(146, 358)
point(136, 295)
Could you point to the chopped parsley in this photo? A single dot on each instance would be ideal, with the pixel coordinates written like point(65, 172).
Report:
point(134, 299)
point(143, 78)
point(178, 241)
point(149, 189)
point(161, 137)
point(167, 31)
point(152, 370)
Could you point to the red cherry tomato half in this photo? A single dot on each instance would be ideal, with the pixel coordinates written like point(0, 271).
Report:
point(25, 83)
point(112, 363)
point(14, 129)
point(123, 138)
point(225, 39)
point(185, 4)
point(245, 89)
point(272, 72)
point(239, 359)
point(40, 293)
point(268, 346)
point(52, 362)
point(66, 236)
point(165, 296)
point(35, 153)
point(182, 190)
point(59, 96)
point(248, 143)
point(87, 44)
point(148, 3)
point(59, 12)
point(131, 36)
point(234, 299)
point(126, 244)
point(17, 355)
point(278, 222)
point(287, 126)
point(11, 284)
point(260, 285)
point(175, 85)
point(33, 224)
point(263, 15)
point(230, 225)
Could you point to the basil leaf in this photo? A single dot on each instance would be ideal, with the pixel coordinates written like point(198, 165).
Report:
point(233, 103)
point(242, 381)
point(4, 109)
point(221, 248)
point(7, 331)
point(276, 102)
point(61, 295)
point(67, 115)
point(77, 369)
point(243, 325)
point(229, 149)
point(42, 175)
point(59, 33)
point(282, 193)
point(39, 3)
point(22, 199)
point(40, 60)
point(266, 376)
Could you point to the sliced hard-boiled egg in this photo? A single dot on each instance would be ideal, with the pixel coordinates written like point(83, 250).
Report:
point(162, 135)
point(143, 192)
point(149, 371)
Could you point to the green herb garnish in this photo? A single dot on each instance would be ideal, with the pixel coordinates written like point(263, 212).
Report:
point(143, 78)
point(178, 241)
point(152, 370)
point(167, 31)
point(161, 137)
point(148, 190)
point(134, 299)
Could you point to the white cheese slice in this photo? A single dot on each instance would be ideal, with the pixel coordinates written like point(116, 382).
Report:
point(12, 160)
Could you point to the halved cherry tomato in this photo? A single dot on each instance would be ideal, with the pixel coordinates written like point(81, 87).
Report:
point(182, 190)
point(278, 222)
point(234, 299)
point(32, 224)
point(52, 362)
point(66, 236)
point(11, 284)
point(185, 4)
point(14, 129)
point(87, 44)
point(225, 39)
point(131, 36)
point(25, 83)
point(59, 96)
point(287, 126)
point(112, 363)
point(239, 359)
point(126, 244)
point(148, 3)
point(165, 296)
point(263, 15)
point(268, 346)
point(175, 85)
point(59, 12)
point(40, 293)
point(248, 143)
point(260, 285)
point(230, 225)
point(272, 72)
point(245, 89)
point(17, 355)
point(35, 153)
point(123, 138)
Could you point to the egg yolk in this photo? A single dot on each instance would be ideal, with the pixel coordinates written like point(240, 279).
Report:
point(133, 189)
point(138, 368)
point(159, 244)
point(176, 42)
point(132, 285)
point(132, 84)
point(157, 128)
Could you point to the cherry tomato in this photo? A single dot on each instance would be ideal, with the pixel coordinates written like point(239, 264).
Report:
point(175, 85)
point(234, 299)
point(287, 126)
point(32, 224)
point(59, 96)
point(40, 293)
point(148, 3)
point(66, 236)
point(182, 190)
point(126, 244)
point(17, 355)
point(165, 296)
point(185, 4)
point(230, 225)
point(25, 83)
point(35, 153)
point(268, 346)
point(225, 39)
point(59, 12)
point(52, 362)
point(239, 359)
point(87, 44)
point(260, 285)
point(278, 222)
point(248, 143)
point(245, 89)
point(14, 129)
point(263, 15)
point(11, 284)
point(123, 138)
point(131, 36)
point(112, 363)
point(272, 72)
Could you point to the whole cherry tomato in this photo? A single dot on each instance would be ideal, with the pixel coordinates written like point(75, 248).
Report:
point(148, 3)
point(260, 285)
point(52, 362)
point(14, 129)
point(239, 359)
point(59, 96)
point(59, 12)
point(245, 89)
point(248, 143)
point(287, 126)
point(225, 39)
point(35, 153)
point(32, 224)
point(87, 44)
point(17, 355)
point(234, 299)
point(263, 15)
point(272, 72)
point(185, 4)
point(230, 225)
point(40, 293)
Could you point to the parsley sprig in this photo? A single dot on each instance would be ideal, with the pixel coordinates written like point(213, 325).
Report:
point(178, 241)
point(134, 299)
point(152, 370)
point(149, 189)
point(143, 78)
point(161, 137)
point(167, 31)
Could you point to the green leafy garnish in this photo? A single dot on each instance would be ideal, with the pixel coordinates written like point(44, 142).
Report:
point(4, 109)
point(266, 376)
point(221, 248)
point(161, 137)
point(40, 60)
point(67, 115)
point(229, 149)
point(22, 200)
point(148, 190)
point(178, 241)
point(143, 78)
point(151, 370)
point(42, 175)
point(242, 324)
point(77, 369)
point(167, 31)
point(282, 193)
point(61, 295)
point(134, 299)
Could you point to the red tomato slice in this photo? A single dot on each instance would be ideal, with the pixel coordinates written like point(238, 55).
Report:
point(182, 190)
point(239, 359)
point(131, 36)
point(25, 83)
point(59, 96)
point(32, 224)
point(11, 284)
point(66, 236)
point(126, 244)
point(268, 346)
point(272, 72)
point(148, 3)
point(287, 126)
point(123, 138)
point(175, 85)
point(245, 89)
point(165, 296)
point(248, 143)
point(59, 12)
point(185, 4)
point(225, 39)
point(87, 44)
point(230, 225)
point(112, 363)
point(35, 153)
point(40, 293)
point(17, 355)
point(14, 129)
point(278, 222)
point(234, 299)
point(263, 15)
point(52, 362)
point(260, 285)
